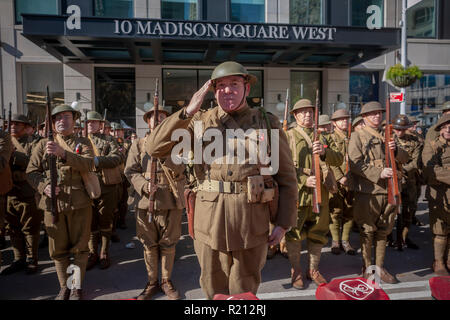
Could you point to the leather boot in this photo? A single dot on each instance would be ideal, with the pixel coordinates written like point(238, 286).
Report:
point(93, 250)
point(150, 290)
point(348, 249)
point(439, 244)
point(63, 294)
point(294, 249)
point(169, 290)
point(104, 261)
point(76, 294)
point(92, 260)
point(410, 244)
point(315, 276)
point(366, 240)
point(32, 267)
point(387, 277)
point(335, 247)
point(272, 251)
point(151, 259)
point(61, 271)
point(448, 253)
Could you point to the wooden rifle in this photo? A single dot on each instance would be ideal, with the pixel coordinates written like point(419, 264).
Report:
point(104, 119)
point(153, 160)
point(349, 133)
point(392, 189)
point(85, 129)
point(51, 161)
point(315, 170)
point(286, 111)
point(9, 117)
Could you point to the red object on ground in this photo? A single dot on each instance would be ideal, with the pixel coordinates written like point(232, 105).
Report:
point(350, 289)
point(241, 296)
point(440, 287)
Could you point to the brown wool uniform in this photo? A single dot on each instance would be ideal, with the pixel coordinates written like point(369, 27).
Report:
point(124, 147)
point(341, 211)
point(231, 233)
point(310, 226)
point(23, 220)
point(160, 236)
point(412, 145)
point(70, 235)
point(371, 211)
point(6, 150)
point(109, 156)
point(436, 161)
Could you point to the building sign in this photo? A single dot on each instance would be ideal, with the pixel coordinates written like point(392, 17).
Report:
point(396, 97)
point(220, 31)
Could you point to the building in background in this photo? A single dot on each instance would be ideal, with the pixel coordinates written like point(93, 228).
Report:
point(122, 46)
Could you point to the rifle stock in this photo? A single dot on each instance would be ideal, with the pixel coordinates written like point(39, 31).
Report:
point(286, 110)
point(317, 192)
point(392, 188)
point(52, 163)
point(153, 163)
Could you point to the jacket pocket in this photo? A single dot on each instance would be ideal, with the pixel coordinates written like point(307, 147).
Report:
point(260, 218)
point(205, 207)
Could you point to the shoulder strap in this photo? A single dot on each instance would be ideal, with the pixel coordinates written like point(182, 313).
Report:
point(17, 145)
point(374, 133)
point(267, 120)
point(293, 146)
point(93, 146)
point(304, 135)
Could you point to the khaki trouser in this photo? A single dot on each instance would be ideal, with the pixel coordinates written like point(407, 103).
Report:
point(409, 202)
point(341, 213)
point(23, 223)
point(375, 219)
point(69, 236)
point(439, 218)
point(161, 235)
point(311, 226)
point(103, 219)
point(230, 272)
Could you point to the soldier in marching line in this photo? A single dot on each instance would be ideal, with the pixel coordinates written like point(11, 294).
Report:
point(325, 125)
point(69, 235)
point(433, 134)
point(231, 224)
point(159, 232)
point(341, 211)
point(108, 159)
point(6, 149)
point(436, 161)
point(23, 220)
point(409, 172)
point(371, 211)
point(311, 226)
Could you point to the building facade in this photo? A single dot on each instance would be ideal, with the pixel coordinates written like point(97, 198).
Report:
point(107, 54)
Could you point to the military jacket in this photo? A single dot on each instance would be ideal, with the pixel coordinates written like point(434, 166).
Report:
point(6, 149)
point(412, 145)
point(19, 162)
point(341, 141)
point(436, 161)
point(73, 194)
point(431, 134)
point(302, 158)
point(367, 160)
point(109, 156)
point(227, 221)
point(138, 174)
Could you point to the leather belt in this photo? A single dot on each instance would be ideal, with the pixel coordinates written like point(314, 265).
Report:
point(222, 186)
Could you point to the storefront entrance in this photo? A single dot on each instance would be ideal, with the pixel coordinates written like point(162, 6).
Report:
point(115, 90)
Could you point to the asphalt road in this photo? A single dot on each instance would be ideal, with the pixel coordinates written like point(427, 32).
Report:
point(126, 277)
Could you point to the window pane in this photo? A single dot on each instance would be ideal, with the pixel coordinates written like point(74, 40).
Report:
point(179, 9)
point(178, 86)
point(203, 76)
point(247, 10)
point(421, 19)
point(427, 96)
point(359, 11)
point(364, 87)
point(115, 90)
point(114, 8)
point(305, 12)
point(256, 90)
point(35, 78)
point(304, 85)
point(41, 7)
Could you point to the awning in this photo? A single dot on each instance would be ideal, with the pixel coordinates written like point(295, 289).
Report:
point(153, 41)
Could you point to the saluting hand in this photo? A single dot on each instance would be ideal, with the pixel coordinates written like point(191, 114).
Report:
point(197, 98)
point(55, 149)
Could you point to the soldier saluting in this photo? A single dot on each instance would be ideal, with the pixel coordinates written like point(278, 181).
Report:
point(70, 234)
point(231, 223)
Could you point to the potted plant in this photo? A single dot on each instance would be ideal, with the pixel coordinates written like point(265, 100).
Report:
point(403, 77)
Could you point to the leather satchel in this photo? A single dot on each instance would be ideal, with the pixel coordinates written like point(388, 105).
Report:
point(189, 196)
